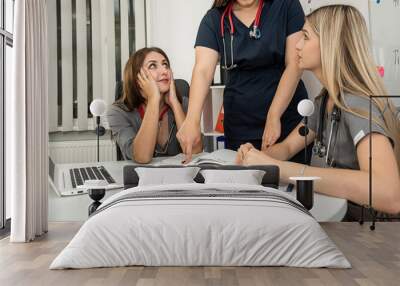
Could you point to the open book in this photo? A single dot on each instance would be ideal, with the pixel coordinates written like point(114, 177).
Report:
point(219, 157)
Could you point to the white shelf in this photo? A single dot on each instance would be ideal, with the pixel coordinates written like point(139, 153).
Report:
point(217, 86)
point(216, 134)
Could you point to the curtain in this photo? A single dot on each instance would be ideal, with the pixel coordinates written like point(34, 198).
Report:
point(26, 119)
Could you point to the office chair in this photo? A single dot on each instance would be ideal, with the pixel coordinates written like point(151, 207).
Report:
point(182, 88)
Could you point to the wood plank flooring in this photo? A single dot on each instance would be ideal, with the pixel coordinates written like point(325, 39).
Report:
point(375, 257)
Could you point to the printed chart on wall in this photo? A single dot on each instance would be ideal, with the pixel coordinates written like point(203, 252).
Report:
point(385, 29)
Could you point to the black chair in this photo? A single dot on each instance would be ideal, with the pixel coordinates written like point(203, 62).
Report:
point(182, 87)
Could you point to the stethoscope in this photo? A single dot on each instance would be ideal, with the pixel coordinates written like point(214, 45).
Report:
point(164, 150)
point(320, 149)
point(255, 33)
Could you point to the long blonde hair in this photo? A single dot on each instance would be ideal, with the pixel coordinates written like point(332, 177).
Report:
point(348, 65)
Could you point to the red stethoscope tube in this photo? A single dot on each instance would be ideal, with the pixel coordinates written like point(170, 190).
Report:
point(254, 33)
point(142, 111)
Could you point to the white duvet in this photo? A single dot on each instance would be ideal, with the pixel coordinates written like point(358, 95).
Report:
point(206, 230)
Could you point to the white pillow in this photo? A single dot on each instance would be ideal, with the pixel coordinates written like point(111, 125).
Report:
point(166, 176)
point(248, 177)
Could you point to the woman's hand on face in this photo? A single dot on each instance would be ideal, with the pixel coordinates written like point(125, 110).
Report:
point(272, 132)
point(148, 87)
point(248, 155)
point(171, 98)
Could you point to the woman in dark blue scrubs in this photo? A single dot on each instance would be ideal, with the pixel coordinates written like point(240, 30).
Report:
point(263, 87)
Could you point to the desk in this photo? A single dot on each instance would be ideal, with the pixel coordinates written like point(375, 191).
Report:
point(75, 208)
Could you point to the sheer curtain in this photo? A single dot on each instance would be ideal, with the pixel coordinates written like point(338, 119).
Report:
point(26, 118)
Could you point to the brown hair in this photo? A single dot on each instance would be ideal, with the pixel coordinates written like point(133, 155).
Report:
point(220, 3)
point(132, 97)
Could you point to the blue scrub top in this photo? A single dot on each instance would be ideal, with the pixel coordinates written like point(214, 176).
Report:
point(252, 85)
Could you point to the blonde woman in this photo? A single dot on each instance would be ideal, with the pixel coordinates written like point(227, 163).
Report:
point(335, 48)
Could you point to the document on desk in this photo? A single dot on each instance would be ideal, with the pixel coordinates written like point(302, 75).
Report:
point(219, 157)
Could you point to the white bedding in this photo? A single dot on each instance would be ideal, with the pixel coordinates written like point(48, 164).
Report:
point(183, 231)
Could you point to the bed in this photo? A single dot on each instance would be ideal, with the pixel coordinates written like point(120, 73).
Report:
point(197, 224)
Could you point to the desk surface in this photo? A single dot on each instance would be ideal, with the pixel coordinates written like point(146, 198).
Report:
point(75, 208)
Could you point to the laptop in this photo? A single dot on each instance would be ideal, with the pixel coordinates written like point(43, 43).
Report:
point(65, 180)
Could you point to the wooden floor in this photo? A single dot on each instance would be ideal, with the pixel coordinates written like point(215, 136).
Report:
point(375, 257)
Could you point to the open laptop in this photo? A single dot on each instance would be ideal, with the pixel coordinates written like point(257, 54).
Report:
point(65, 179)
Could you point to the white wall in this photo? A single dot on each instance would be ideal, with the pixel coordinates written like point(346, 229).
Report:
point(172, 26)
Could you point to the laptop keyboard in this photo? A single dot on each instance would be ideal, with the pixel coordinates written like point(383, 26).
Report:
point(80, 175)
point(106, 175)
